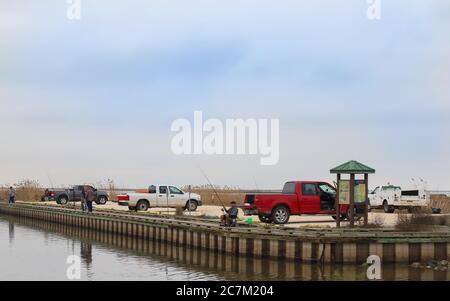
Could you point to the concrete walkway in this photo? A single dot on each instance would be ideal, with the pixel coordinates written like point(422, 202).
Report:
point(319, 221)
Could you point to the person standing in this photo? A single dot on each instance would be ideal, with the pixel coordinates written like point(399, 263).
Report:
point(12, 195)
point(90, 197)
point(84, 199)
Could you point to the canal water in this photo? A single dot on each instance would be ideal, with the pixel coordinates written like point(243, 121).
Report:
point(35, 250)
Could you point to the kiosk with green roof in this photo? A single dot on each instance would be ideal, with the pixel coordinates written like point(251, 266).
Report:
point(352, 190)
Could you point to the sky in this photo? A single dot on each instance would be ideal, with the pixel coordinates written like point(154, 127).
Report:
point(85, 100)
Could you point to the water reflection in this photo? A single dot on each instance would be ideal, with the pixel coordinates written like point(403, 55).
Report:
point(86, 253)
point(170, 259)
point(11, 232)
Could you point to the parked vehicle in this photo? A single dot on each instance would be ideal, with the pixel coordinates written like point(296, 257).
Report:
point(160, 196)
point(74, 194)
point(390, 197)
point(297, 198)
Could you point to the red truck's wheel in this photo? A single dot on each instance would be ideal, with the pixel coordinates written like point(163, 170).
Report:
point(356, 217)
point(280, 215)
point(264, 218)
point(343, 217)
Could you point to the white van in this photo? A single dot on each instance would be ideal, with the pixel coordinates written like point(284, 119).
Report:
point(385, 197)
point(392, 197)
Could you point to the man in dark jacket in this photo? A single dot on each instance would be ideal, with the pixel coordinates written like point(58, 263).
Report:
point(84, 207)
point(12, 195)
point(229, 219)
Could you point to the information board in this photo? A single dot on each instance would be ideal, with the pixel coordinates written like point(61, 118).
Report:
point(344, 192)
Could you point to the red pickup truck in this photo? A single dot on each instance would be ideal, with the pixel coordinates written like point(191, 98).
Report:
point(298, 197)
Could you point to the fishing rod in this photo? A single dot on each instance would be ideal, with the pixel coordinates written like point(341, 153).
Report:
point(50, 180)
point(204, 174)
point(256, 184)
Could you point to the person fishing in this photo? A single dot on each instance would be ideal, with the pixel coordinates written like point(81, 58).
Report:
point(229, 218)
point(12, 195)
point(84, 199)
point(90, 197)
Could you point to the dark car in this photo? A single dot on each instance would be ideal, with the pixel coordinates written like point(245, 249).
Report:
point(74, 194)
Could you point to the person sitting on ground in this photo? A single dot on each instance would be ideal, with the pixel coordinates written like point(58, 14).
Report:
point(229, 218)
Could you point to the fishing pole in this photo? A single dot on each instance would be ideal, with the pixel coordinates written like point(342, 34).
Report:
point(256, 185)
point(204, 174)
point(46, 197)
point(50, 180)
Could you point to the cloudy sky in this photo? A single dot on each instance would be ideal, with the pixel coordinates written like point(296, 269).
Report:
point(90, 99)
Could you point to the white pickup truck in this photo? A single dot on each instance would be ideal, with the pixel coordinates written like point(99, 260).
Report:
point(392, 197)
point(161, 196)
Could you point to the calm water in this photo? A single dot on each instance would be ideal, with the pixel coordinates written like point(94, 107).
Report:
point(32, 250)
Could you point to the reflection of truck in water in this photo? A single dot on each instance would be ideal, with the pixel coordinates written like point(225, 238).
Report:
point(390, 197)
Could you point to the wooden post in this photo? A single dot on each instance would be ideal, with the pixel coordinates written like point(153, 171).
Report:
point(336, 203)
point(366, 204)
point(352, 200)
